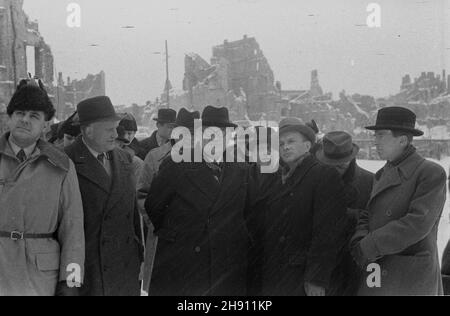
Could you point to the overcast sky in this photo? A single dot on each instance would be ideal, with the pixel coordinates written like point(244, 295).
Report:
point(296, 36)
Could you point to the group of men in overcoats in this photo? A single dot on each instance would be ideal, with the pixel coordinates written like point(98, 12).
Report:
point(317, 226)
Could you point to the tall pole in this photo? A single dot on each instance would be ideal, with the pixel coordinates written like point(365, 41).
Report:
point(167, 76)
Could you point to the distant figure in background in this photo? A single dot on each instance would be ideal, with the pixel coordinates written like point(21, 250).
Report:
point(339, 152)
point(165, 124)
point(129, 124)
point(399, 229)
point(123, 142)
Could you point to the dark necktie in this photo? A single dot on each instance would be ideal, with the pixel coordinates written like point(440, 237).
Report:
point(101, 158)
point(21, 156)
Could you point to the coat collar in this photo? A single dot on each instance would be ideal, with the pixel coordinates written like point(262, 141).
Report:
point(43, 150)
point(394, 176)
point(88, 167)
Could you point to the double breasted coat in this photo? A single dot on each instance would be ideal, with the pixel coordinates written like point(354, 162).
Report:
point(301, 235)
point(39, 196)
point(200, 221)
point(400, 228)
point(111, 222)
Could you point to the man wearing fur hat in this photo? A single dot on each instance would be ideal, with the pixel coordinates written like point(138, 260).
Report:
point(41, 214)
point(300, 212)
point(399, 231)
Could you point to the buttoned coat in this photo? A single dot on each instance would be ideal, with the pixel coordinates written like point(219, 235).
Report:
point(111, 223)
point(400, 228)
point(301, 235)
point(39, 196)
point(201, 226)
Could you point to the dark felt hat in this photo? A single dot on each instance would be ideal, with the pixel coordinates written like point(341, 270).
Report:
point(295, 125)
point(216, 117)
point(337, 148)
point(31, 96)
point(166, 116)
point(186, 118)
point(128, 122)
point(71, 126)
point(95, 110)
point(396, 118)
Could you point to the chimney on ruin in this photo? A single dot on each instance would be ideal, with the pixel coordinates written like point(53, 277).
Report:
point(60, 79)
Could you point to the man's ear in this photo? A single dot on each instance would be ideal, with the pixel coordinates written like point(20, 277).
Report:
point(308, 145)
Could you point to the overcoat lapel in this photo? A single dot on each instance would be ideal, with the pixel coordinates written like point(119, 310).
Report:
point(88, 167)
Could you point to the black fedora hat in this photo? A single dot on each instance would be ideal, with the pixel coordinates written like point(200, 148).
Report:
point(166, 116)
point(396, 118)
point(186, 118)
point(95, 110)
point(216, 117)
point(337, 148)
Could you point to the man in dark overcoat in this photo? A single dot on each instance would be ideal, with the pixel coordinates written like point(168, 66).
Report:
point(165, 122)
point(198, 210)
point(303, 206)
point(338, 151)
point(107, 186)
point(396, 239)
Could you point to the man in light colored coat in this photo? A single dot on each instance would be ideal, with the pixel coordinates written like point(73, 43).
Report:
point(399, 231)
point(41, 214)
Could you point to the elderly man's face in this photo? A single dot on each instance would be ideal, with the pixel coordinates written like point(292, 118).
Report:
point(293, 145)
point(101, 136)
point(26, 127)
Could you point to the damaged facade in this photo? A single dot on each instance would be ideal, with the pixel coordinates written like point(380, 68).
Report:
point(17, 33)
point(239, 77)
point(18, 36)
point(71, 92)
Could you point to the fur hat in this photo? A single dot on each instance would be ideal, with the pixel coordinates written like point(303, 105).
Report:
point(31, 96)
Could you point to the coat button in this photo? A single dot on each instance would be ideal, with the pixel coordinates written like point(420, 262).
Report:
point(389, 213)
point(198, 249)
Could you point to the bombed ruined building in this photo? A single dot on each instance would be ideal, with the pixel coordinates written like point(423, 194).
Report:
point(23, 50)
point(68, 94)
point(19, 40)
point(239, 77)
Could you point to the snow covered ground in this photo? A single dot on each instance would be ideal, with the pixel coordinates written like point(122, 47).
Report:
point(444, 228)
